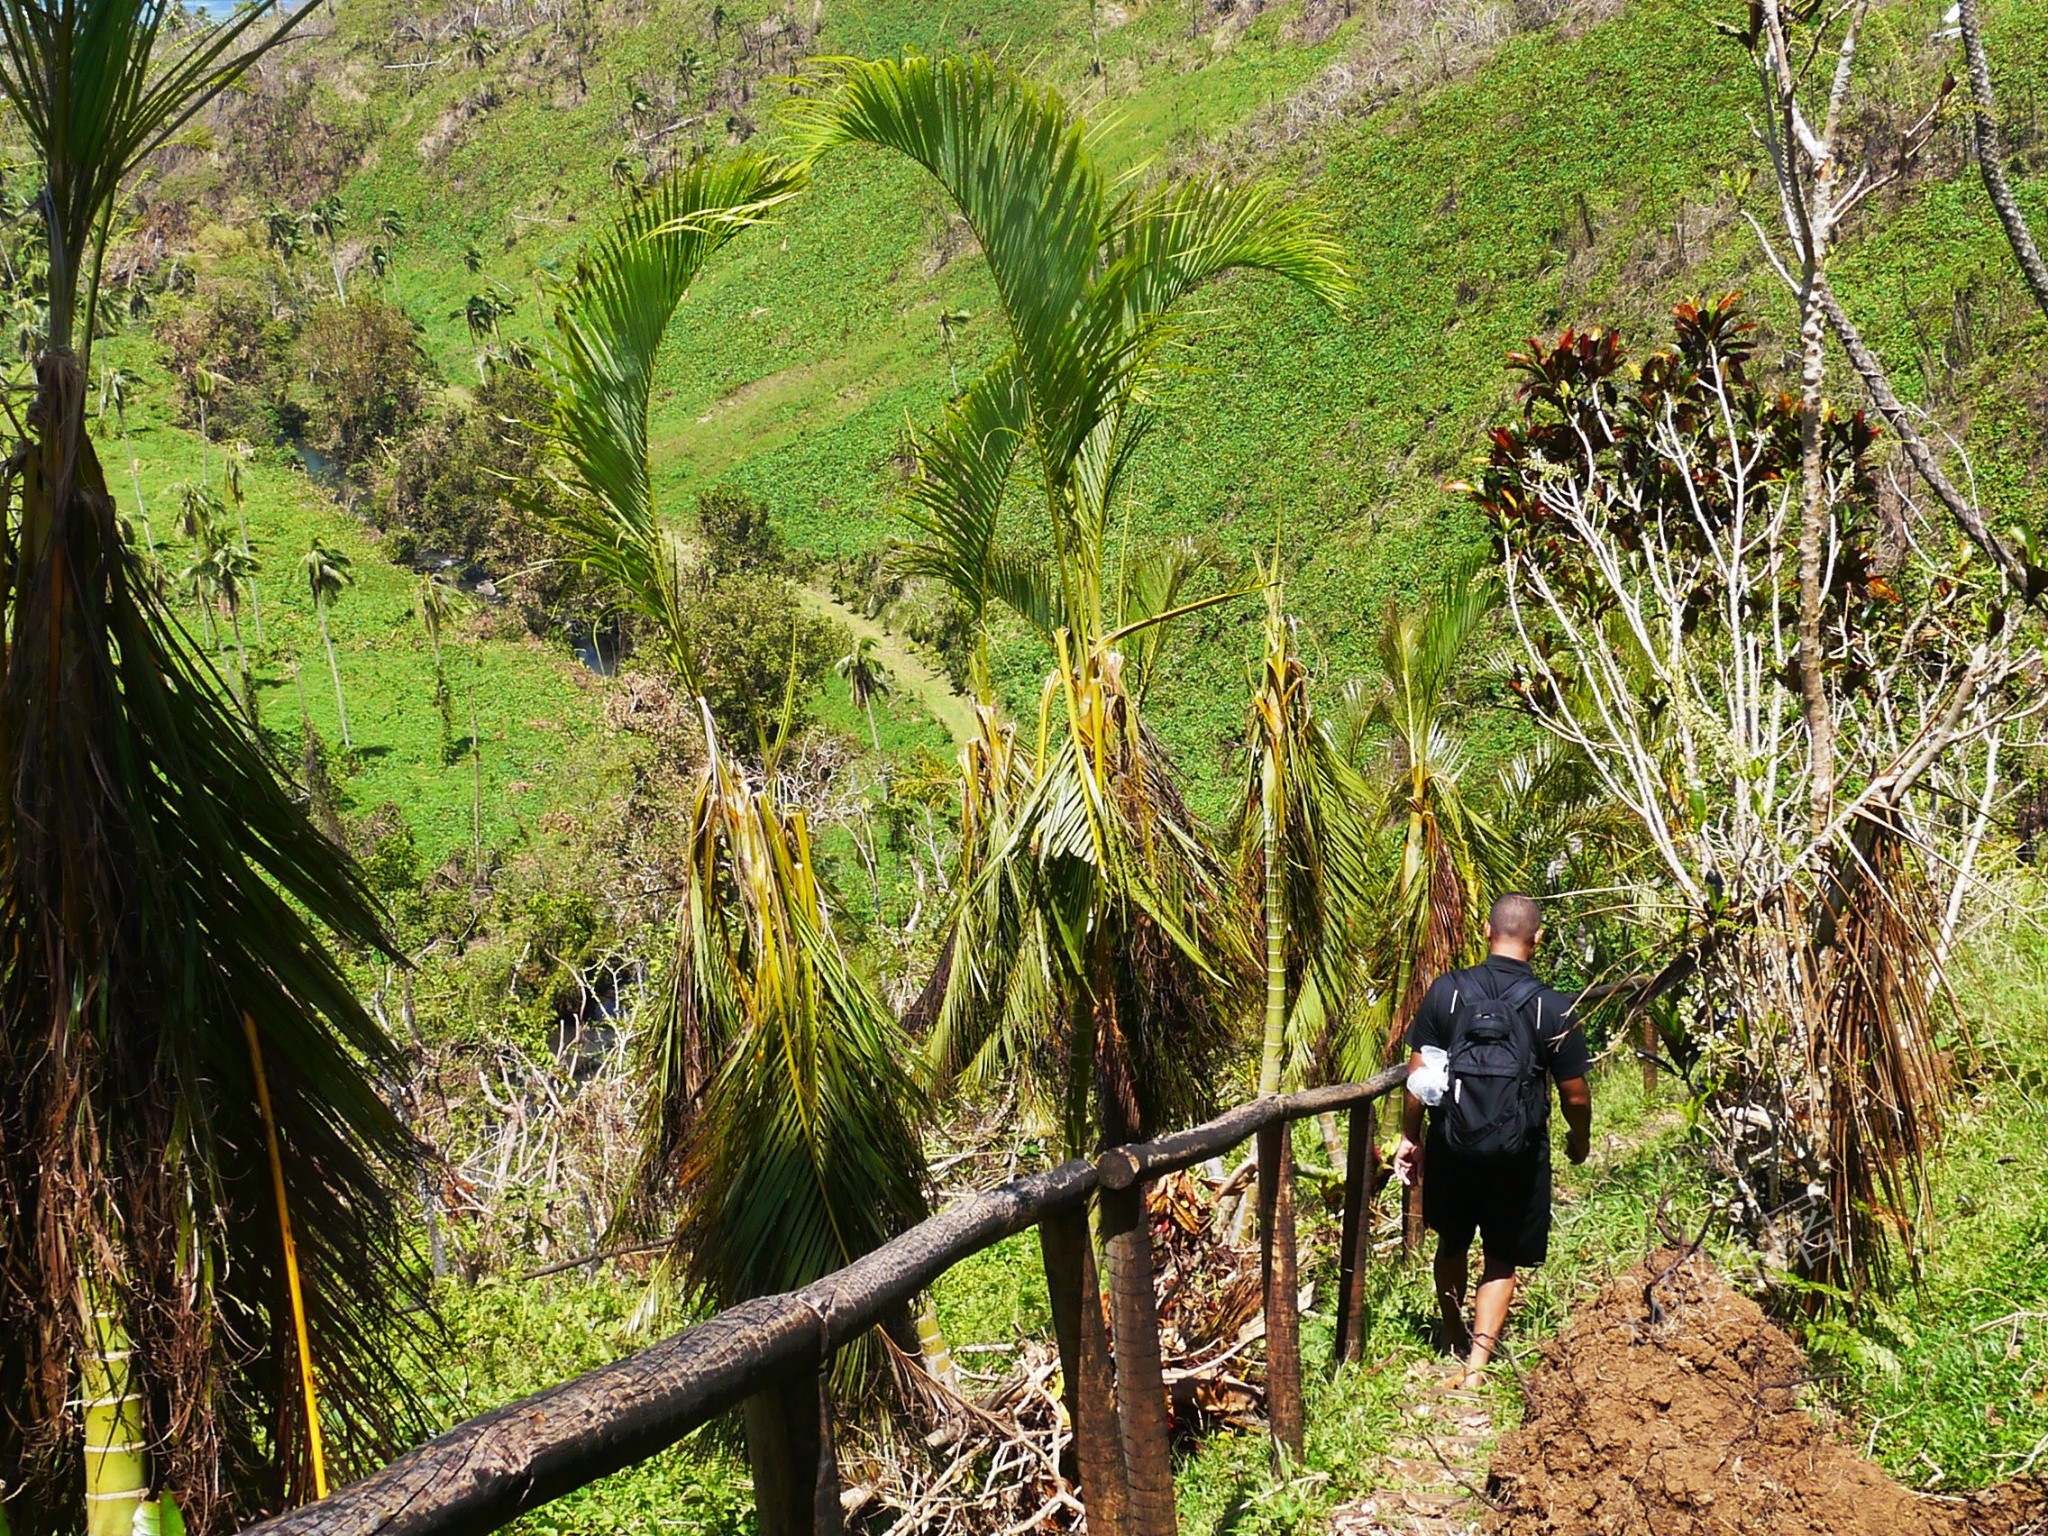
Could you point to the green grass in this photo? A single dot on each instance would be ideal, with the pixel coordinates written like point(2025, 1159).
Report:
point(510, 1338)
point(538, 715)
point(1949, 1387)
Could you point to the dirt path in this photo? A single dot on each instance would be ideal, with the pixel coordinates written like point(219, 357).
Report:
point(915, 677)
point(1429, 1481)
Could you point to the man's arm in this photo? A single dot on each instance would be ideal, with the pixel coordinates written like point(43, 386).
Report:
point(1577, 1100)
point(1408, 1152)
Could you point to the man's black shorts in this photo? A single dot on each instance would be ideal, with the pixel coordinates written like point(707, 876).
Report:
point(1506, 1200)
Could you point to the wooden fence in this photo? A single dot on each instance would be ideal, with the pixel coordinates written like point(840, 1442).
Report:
point(775, 1353)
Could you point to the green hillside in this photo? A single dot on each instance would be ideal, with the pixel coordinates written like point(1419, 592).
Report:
point(1577, 171)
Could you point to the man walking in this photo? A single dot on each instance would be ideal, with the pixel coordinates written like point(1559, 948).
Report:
point(1481, 1047)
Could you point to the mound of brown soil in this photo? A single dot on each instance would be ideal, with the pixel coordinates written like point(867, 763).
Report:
point(1669, 1407)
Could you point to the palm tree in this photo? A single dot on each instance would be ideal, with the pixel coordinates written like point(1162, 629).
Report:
point(1404, 738)
point(1093, 938)
point(238, 455)
point(392, 225)
point(202, 381)
point(1303, 845)
point(327, 573)
point(951, 323)
point(327, 218)
point(865, 675)
point(478, 42)
point(114, 392)
point(782, 1107)
point(199, 520)
point(183, 1065)
point(284, 231)
point(436, 607)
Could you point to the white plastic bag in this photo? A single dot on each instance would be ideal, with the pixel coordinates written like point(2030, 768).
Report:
point(1430, 1081)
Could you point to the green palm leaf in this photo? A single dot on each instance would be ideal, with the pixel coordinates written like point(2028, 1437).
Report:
point(611, 324)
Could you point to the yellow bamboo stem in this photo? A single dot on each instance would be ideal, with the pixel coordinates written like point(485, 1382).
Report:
point(116, 1475)
point(316, 1447)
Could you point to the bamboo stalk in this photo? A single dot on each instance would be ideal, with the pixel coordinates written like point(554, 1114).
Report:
point(116, 1474)
point(316, 1446)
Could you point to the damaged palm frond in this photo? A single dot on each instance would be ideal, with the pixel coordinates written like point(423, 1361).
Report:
point(158, 882)
point(796, 1151)
point(778, 1140)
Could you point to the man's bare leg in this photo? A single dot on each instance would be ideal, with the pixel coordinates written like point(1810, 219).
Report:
point(1452, 1268)
point(1490, 1312)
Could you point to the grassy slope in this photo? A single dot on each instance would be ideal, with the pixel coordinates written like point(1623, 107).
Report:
point(806, 350)
point(539, 721)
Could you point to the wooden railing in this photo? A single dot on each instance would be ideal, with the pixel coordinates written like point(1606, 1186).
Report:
point(487, 1471)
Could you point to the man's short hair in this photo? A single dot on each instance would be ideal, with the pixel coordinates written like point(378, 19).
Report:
point(1515, 916)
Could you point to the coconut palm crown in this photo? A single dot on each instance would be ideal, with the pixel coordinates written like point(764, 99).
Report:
point(1094, 939)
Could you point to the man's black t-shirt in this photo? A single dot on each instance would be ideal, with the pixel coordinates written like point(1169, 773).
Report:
point(1505, 1200)
point(1558, 1036)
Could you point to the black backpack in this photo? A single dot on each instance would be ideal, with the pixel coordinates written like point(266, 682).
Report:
point(1496, 1105)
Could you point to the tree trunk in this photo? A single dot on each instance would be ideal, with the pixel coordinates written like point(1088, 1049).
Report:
point(1282, 1290)
point(1140, 1386)
point(1361, 1172)
point(793, 1459)
point(116, 1475)
point(1813, 518)
point(1991, 158)
point(334, 671)
point(1273, 1043)
point(1086, 1374)
point(141, 506)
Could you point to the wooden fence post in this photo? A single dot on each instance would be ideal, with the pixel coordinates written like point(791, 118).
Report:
point(791, 1453)
point(1282, 1281)
point(1088, 1381)
point(1140, 1384)
point(1361, 1174)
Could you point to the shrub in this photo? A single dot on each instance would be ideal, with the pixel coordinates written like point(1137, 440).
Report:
point(231, 325)
point(737, 533)
point(751, 630)
point(365, 373)
point(466, 482)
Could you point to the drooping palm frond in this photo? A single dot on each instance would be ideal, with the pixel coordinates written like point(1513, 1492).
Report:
point(954, 501)
point(798, 1151)
point(611, 323)
point(158, 882)
point(782, 1119)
